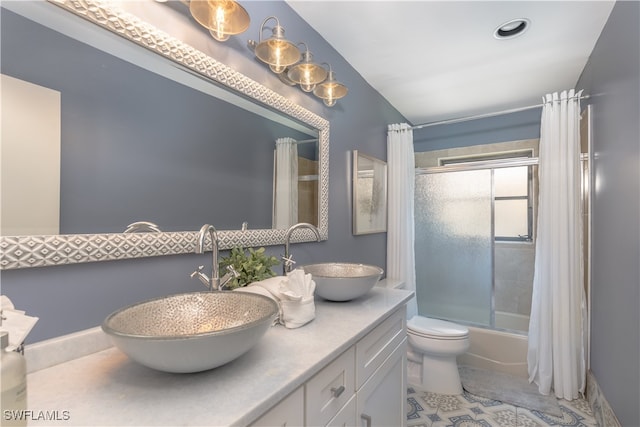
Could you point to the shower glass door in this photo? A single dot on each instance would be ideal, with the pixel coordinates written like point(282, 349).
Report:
point(454, 245)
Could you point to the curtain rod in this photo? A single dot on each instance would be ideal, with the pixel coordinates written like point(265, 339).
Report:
point(481, 116)
point(486, 164)
point(304, 141)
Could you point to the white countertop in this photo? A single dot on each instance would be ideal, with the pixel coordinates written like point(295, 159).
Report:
point(108, 389)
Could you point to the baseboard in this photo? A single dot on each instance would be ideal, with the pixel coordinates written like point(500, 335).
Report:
point(600, 407)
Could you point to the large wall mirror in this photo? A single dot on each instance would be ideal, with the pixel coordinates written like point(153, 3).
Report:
point(188, 143)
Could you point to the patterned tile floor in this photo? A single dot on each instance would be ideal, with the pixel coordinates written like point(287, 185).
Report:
point(426, 409)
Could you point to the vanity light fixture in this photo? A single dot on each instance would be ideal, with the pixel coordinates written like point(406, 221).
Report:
point(223, 18)
point(292, 68)
point(330, 90)
point(307, 73)
point(276, 51)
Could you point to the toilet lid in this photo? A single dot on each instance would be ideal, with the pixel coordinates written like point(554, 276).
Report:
point(436, 328)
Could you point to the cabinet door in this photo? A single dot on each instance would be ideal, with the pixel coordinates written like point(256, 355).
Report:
point(346, 417)
point(288, 413)
point(382, 399)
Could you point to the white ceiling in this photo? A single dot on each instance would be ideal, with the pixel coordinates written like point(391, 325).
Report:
point(435, 60)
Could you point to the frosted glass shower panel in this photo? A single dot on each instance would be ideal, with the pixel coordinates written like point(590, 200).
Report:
point(454, 245)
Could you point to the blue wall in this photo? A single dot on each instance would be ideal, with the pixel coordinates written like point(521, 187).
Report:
point(612, 79)
point(76, 297)
point(506, 127)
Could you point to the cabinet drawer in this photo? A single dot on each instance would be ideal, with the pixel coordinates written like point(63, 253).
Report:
point(330, 389)
point(378, 344)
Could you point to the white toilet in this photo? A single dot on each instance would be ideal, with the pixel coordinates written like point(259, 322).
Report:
point(437, 343)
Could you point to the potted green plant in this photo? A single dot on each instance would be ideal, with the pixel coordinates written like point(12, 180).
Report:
point(252, 265)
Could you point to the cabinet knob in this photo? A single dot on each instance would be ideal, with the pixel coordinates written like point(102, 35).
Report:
point(337, 391)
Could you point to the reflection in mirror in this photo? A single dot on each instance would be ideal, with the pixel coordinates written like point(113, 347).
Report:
point(295, 197)
point(369, 194)
point(135, 145)
point(139, 146)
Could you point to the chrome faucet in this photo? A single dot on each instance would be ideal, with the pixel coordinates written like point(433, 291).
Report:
point(213, 283)
point(287, 259)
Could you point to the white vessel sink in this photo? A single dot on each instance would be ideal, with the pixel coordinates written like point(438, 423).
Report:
point(191, 332)
point(339, 281)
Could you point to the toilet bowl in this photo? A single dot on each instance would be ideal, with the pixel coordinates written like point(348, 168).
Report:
point(438, 343)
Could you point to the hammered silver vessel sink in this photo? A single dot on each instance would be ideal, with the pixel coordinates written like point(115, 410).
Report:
point(340, 281)
point(191, 332)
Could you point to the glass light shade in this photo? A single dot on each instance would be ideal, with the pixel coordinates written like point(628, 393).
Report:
point(221, 37)
point(330, 102)
point(330, 90)
point(307, 87)
point(277, 51)
point(223, 18)
point(307, 73)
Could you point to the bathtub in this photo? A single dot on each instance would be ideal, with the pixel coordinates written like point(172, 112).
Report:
point(513, 321)
point(496, 351)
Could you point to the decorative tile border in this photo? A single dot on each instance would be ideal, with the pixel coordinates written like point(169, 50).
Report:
point(41, 251)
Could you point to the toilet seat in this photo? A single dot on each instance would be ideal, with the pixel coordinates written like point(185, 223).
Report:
point(436, 328)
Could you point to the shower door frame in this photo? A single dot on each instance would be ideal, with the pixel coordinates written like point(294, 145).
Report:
point(528, 161)
point(482, 165)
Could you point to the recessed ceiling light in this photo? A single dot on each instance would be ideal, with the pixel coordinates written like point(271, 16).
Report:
point(511, 29)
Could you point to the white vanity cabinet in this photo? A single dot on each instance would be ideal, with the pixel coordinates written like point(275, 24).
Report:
point(364, 386)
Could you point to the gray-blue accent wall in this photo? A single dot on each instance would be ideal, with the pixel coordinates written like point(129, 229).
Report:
point(612, 79)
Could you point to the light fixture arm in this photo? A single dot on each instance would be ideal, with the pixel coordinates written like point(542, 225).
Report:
point(306, 55)
point(306, 48)
point(330, 72)
point(277, 28)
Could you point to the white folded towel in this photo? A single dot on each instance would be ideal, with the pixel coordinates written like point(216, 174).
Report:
point(294, 295)
point(16, 322)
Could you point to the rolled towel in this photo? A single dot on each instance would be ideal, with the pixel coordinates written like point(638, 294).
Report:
point(298, 313)
point(296, 297)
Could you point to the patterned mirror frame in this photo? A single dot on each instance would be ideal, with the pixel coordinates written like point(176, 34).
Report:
point(49, 250)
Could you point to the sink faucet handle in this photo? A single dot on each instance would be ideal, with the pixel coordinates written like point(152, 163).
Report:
point(199, 270)
point(230, 275)
point(232, 270)
point(288, 262)
point(201, 276)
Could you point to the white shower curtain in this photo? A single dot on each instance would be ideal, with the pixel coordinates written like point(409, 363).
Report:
point(285, 199)
point(557, 325)
point(400, 226)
